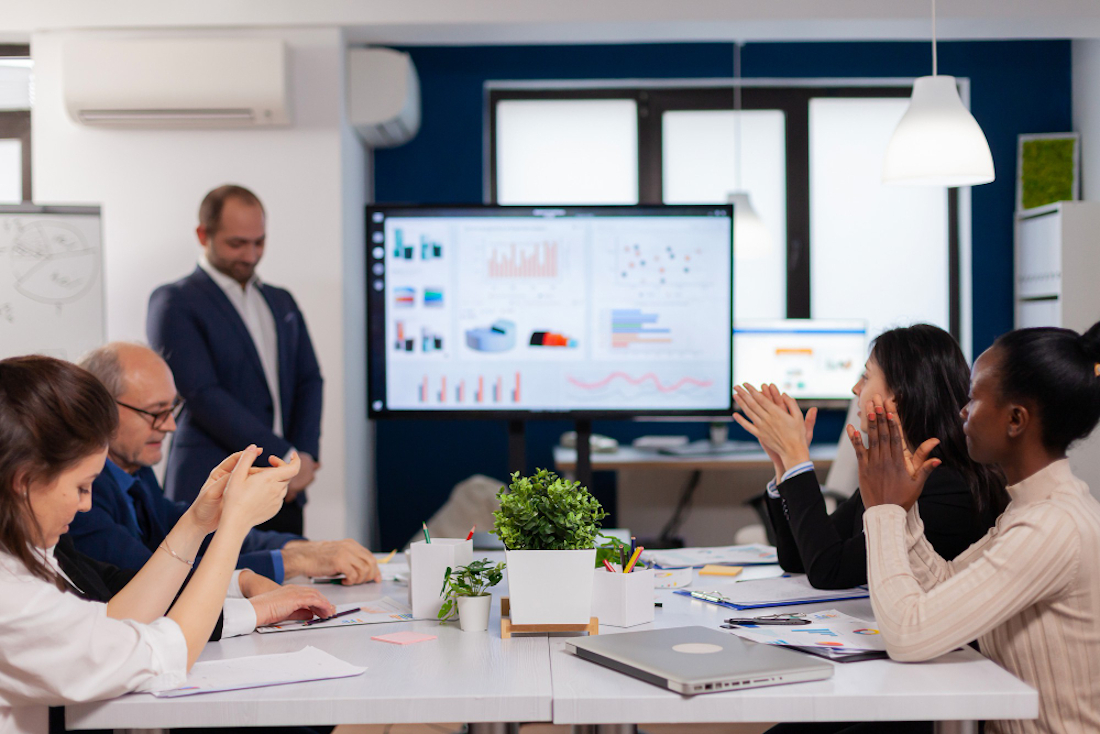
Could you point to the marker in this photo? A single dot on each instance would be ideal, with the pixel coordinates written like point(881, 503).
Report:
point(389, 556)
point(427, 538)
point(633, 559)
point(471, 533)
point(338, 614)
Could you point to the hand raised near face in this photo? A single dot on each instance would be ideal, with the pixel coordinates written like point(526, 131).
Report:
point(884, 471)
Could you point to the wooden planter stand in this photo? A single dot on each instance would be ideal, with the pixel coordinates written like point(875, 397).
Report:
point(507, 629)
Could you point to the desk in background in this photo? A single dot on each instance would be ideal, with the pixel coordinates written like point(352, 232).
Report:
point(648, 486)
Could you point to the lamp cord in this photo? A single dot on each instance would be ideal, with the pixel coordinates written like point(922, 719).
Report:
point(737, 109)
point(934, 70)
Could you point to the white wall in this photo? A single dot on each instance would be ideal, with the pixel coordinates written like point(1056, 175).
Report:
point(310, 177)
point(1086, 113)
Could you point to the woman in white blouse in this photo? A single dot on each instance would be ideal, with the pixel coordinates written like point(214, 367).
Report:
point(1029, 591)
point(55, 648)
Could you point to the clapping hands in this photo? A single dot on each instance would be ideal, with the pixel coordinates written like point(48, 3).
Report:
point(775, 419)
point(889, 473)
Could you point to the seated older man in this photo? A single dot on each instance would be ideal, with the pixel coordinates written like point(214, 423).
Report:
point(130, 514)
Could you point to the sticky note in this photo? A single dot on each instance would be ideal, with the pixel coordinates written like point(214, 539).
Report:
point(714, 570)
point(404, 638)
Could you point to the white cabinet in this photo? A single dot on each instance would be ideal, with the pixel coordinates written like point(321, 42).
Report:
point(1058, 284)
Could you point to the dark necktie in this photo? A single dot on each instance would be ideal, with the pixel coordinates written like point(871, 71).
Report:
point(141, 509)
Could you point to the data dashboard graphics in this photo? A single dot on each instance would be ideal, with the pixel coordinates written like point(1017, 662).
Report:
point(582, 310)
point(811, 359)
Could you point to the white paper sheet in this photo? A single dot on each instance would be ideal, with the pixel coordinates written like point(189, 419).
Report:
point(370, 612)
point(258, 671)
point(736, 555)
point(829, 629)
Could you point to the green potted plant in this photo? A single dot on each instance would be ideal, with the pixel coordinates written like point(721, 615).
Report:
point(466, 591)
point(548, 526)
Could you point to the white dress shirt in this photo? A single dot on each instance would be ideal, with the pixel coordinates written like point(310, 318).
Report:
point(256, 314)
point(238, 614)
point(56, 648)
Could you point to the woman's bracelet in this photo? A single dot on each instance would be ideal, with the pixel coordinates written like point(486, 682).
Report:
point(167, 549)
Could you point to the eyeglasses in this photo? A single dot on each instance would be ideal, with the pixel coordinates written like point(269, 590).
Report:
point(159, 417)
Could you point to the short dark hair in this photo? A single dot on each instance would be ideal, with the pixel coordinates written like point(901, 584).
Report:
point(53, 414)
point(210, 210)
point(930, 378)
point(1057, 371)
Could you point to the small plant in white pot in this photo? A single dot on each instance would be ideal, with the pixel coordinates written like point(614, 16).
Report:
point(467, 592)
point(548, 526)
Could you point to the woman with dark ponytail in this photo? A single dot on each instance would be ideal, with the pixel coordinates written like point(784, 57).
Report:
point(1029, 591)
point(921, 373)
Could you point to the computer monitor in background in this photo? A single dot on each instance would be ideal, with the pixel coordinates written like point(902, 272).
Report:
point(809, 359)
point(565, 310)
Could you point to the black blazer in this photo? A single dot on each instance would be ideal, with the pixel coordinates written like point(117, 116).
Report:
point(96, 581)
point(832, 550)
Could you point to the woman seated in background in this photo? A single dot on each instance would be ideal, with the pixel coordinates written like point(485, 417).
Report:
point(56, 648)
point(921, 373)
point(1029, 591)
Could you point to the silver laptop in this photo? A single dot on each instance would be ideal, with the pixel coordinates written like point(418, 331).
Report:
point(692, 660)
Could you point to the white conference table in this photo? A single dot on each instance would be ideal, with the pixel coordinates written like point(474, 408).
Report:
point(956, 690)
point(479, 678)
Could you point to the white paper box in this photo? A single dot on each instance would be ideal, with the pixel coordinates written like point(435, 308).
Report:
point(623, 599)
point(428, 562)
point(550, 586)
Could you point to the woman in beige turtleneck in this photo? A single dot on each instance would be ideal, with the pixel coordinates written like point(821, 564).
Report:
point(1029, 591)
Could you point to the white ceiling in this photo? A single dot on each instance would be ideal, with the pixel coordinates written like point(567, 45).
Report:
point(574, 21)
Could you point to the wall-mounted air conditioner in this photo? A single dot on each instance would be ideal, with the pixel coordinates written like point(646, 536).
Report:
point(383, 96)
point(176, 82)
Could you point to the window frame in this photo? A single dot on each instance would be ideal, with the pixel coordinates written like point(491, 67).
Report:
point(792, 97)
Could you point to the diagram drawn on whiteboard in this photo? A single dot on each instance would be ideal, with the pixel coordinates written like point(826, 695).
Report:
point(52, 262)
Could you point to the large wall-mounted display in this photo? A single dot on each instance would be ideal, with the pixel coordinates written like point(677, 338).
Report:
point(577, 310)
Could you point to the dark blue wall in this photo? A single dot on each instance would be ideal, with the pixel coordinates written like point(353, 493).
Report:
point(1015, 87)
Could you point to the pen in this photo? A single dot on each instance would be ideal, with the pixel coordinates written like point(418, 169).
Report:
point(633, 559)
point(427, 538)
point(751, 621)
point(708, 596)
point(471, 534)
point(338, 614)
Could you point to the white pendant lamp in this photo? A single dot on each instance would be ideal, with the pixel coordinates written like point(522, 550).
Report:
point(938, 142)
point(750, 234)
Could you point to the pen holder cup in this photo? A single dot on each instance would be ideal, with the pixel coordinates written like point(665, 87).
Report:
point(428, 563)
point(623, 599)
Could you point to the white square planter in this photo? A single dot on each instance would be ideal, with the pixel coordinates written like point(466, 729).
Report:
point(623, 599)
point(550, 586)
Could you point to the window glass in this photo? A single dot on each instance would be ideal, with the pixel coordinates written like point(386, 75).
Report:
point(567, 151)
point(877, 252)
point(700, 165)
point(11, 171)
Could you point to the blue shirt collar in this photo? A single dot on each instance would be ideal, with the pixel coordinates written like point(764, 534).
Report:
point(121, 477)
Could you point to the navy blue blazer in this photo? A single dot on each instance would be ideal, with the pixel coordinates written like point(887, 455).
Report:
point(111, 533)
point(219, 373)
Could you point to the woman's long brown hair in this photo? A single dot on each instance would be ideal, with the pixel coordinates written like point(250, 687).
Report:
point(53, 414)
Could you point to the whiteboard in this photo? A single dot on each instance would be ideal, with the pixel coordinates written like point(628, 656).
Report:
point(51, 281)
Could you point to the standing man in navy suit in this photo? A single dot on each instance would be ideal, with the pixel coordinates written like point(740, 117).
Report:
point(241, 355)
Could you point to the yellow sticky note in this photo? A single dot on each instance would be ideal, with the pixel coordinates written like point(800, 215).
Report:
point(713, 570)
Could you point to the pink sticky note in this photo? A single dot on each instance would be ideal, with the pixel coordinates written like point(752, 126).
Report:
point(404, 638)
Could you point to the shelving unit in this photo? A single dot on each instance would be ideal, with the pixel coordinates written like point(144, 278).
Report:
point(1058, 284)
